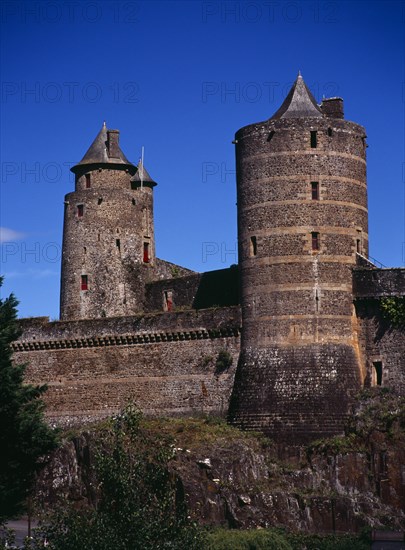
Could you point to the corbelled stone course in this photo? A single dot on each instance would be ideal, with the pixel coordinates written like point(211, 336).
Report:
point(166, 363)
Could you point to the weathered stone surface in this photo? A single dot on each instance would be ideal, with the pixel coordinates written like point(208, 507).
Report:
point(239, 483)
point(164, 362)
point(302, 219)
point(382, 344)
point(302, 230)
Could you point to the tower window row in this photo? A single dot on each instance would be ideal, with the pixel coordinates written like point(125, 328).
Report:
point(313, 137)
point(80, 207)
point(315, 243)
point(133, 185)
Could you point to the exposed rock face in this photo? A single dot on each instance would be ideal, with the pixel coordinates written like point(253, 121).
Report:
point(243, 489)
point(238, 480)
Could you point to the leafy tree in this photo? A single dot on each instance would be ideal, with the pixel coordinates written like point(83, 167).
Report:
point(25, 438)
point(140, 506)
point(393, 309)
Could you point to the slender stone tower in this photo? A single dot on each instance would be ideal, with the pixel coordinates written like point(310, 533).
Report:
point(302, 217)
point(108, 237)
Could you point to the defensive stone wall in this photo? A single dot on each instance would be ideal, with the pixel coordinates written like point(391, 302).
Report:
point(374, 283)
point(198, 291)
point(382, 343)
point(166, 363)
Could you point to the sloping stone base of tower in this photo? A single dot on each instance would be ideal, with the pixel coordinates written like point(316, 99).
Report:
point(295, 394)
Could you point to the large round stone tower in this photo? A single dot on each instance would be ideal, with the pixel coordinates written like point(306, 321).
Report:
point(302, 218)
point(108, 236)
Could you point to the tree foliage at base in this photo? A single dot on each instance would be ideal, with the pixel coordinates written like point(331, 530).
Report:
point(140, 503)
point(25, 438)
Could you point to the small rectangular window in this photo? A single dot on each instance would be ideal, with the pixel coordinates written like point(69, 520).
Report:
point(146, 257)
point(270, 136)
point(330, 132)
point(88, 183)
point(315, 190)
point(80, 210)
point(253, 246)
point(168, 300)
point(315, 240)
point(314, 139)
point(118, 244)
point(358, 241)
point(378, 372)
point(84, 283)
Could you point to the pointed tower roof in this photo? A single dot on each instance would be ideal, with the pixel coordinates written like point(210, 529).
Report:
point(143, 174)
point(298, 103)
point(104, 150)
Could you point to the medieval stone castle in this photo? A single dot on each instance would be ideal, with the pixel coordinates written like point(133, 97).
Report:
point(282, 343)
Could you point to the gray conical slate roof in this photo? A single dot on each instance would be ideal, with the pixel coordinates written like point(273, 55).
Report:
point(298, 103)
point(146, 178)
point(97, 152)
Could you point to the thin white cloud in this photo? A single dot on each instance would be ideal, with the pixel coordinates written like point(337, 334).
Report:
point(9, 235)
point(31, 274)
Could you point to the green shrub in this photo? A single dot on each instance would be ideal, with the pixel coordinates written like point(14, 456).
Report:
point(257, 539)
point(223, 362)
point(328, 542)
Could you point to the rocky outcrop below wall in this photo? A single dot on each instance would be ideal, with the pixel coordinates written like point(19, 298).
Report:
point(239, 480)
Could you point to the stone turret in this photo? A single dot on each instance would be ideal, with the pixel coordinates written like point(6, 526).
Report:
point(302, 219)
point(108, 238)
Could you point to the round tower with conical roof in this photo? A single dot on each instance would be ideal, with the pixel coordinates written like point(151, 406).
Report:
point(302, 219)
point(108, 237)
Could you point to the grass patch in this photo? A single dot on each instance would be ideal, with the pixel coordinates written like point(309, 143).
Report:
point(277, 539)
point(196, 432)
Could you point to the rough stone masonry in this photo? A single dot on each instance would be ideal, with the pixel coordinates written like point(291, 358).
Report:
point(281, 343)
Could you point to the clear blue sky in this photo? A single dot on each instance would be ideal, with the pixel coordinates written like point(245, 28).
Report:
point(180, 78)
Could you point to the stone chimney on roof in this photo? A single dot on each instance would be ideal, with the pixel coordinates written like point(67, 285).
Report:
point(332, 107)
point(113, 148)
